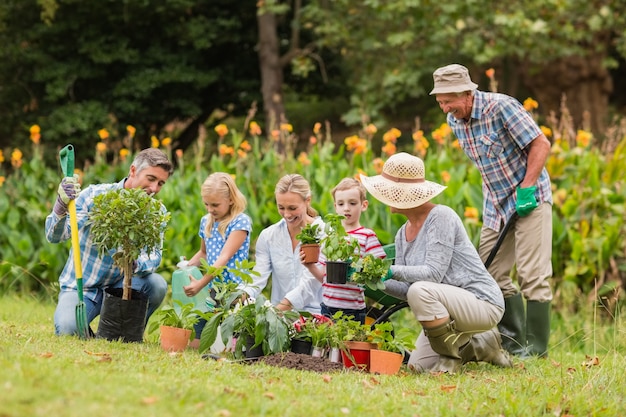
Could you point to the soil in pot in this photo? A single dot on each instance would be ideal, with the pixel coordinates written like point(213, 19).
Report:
point(122, 319)
point(337, 272)
point(384, 362)
point(174, 339)
point(311, 252)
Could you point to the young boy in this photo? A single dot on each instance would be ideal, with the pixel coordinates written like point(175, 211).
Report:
point(350, 201)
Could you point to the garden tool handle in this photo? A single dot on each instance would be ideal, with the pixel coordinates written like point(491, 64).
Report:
point(503, 233)
point(66, 155)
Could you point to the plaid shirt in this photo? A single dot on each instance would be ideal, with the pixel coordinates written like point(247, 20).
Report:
point(496, 139)
point(98, 272)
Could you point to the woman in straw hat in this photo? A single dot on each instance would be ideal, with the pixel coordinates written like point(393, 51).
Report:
point(438, 271)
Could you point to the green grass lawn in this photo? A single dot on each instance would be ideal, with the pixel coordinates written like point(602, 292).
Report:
point(45, 375)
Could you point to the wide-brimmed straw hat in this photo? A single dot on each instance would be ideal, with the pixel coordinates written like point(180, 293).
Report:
point(402, 183)
point(453, 78)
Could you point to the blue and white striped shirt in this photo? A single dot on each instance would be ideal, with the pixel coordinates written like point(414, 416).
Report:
point(496, 139)
point(98, 272)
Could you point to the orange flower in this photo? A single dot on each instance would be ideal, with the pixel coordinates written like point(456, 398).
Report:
point(358, 174)
point(389, 149)
point(312, 140)
point(154, 141)
point(1, 156)
point(245, 145)
point(179, 153)
point(530, 104)
point(421, 145)
point(226, 150)
point(16, 158)
point(275, 135)
point(221, 130)
point(166, 141)
point(124, 154)
point(303, 158)
point(456, 144)
point(103, 133)
point(441, 133)
point(35, 134)
point(371, 130)
point(546, 131)
point(131, 131)
point(286, 127)
point(317, 127)
point(254, 129)
point(583, 138)
point(490, 73)
point(471, 213)
point(101, 147)
point(445, 177)
point(378, 165)
point(392, 135)
point(241, 153)
point(2, 179)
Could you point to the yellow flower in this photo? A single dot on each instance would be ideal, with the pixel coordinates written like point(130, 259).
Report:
point(154, 141)
point(101, 147)
point(392, 135)
point(2, 179)
point(124, 154)
point(546, 131)
point(286, 127)
point(471, 213)
point(16, 158)
point(35, 129)
point(445, 177)
point(221, 130)
point(255, 129)
point(530, 104)
point(303, 158)
point(583, 138)
point(389, 149)
point(166, 141)
point(131, 131)
point(317, 127)
point(35, 134)
point(1, 156)
point(559, 197)
point(226, 150)
point(441, 133)
point(103, 133)
point(378, 165)
point(370, 129)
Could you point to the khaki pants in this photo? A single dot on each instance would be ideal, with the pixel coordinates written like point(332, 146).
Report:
point(528, 246)
point(430, 301)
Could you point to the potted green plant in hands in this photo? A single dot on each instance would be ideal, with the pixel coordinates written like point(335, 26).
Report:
point(125, 223)
point(309, 238)
point(371, 271)
point(175, 325)
point(388, 357)
point(339, 248)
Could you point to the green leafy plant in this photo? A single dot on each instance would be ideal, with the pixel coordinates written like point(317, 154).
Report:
point(125, 223)
point(167, 315)
point(369, 270)
point(346, 329)
point(315, 328)
point(337, 245)
point(310, 234)
point(383, 336)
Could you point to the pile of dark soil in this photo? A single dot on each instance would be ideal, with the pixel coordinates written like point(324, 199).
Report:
point(302, 362)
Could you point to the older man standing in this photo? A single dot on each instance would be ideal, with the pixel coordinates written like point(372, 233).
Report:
point(510, 150)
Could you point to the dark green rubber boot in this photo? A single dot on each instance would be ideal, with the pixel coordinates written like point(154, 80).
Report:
point(512, 326)
point(537, 328)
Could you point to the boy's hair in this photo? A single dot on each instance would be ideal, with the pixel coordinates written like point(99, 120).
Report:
point(152, 157)
point(295, 183)
point(222, 183)
point(348, 184)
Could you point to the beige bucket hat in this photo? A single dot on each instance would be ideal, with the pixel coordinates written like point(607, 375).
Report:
point(453, 78)
point(402, 184)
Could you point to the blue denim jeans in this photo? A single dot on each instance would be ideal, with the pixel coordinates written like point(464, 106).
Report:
point(153, 285)
point(359, 315)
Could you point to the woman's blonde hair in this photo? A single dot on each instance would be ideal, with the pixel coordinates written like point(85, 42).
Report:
point(223, 184)
point(295, 183)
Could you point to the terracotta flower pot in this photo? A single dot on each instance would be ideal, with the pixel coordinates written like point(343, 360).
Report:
point(311, 252)
point(357, 354)
point(174, 339)
point(384, 362)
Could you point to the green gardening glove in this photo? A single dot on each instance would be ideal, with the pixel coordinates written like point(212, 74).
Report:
point(526, 201)
point(388, 276)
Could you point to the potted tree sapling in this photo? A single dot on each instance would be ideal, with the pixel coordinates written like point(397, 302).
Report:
point(126, 223)
point(309, 238)
point(339, 248)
